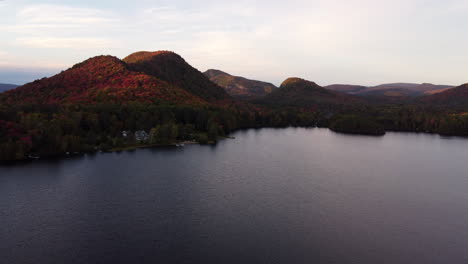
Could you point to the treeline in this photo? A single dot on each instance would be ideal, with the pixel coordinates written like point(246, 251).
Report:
point(54, 130)
point(45, 130)
point(354, 124)
point(403, 118)
point(423, 119)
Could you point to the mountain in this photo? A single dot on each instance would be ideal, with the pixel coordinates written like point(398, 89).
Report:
point(173, 69)
point(394, 90)
point(346, 88)
point(99, 79)
point(438, 91)
point(404, 89)
point(105, 103)
point(457, 96)
point(5, 87)
point(240, 87)
point(297, 92)
point(391, 93)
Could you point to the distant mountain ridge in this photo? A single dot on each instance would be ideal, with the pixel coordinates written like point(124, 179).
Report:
point(297, 92)
point(346, 88)
point(243, 88)
point(391, 89)
point(238, 86)
point(5, 87)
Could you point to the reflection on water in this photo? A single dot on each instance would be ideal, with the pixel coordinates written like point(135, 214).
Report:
point(269, 196)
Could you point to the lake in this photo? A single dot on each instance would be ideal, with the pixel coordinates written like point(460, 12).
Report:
point(268, 196)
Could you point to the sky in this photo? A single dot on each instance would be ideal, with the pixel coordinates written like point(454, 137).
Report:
point(366, 42)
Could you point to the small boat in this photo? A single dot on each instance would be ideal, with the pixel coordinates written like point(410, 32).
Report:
point(180, 145)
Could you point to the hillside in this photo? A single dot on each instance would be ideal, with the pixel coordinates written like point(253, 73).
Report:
point(240, 87)
point(405, 89)
point(431, 92)
point(390, 93)
point(456, 97)
point(103, 104)
point(5, 87)
point(173, 69)
point(391, 90)
point(296, 92)
point(346, 88)
point(99, 79)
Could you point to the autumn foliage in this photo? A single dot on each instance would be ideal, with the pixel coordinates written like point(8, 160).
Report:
point(172, 68)
point(99, 79)
point(87, 107)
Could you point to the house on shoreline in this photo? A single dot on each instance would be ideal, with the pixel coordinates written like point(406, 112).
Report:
point(141, 135)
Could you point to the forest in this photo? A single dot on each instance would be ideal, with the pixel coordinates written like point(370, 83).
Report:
point(152, 99)
point(29, 131)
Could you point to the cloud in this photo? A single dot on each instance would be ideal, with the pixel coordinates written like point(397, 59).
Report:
point(40, 15)
point(201, 18)
point(56, 26)
point(50, 38)
point(65, 43)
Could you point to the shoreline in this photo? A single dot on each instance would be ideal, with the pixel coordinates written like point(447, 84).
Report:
point(62, 156)
point(59, 156)
point(134, 147)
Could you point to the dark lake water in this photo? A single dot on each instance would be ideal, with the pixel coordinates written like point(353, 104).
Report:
point(268, 196)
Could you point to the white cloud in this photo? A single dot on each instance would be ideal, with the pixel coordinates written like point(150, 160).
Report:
point(55, 26)
point(65, 43)
point(38, 15)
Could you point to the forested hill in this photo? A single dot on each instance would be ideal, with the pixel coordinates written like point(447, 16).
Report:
point(240, 87)
point(456, 97)
point(101, 104)
point(297, 92)
point(172, 68)
point(157, 98)
point(99, 79)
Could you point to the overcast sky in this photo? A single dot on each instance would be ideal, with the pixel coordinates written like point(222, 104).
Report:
point(327, 41)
